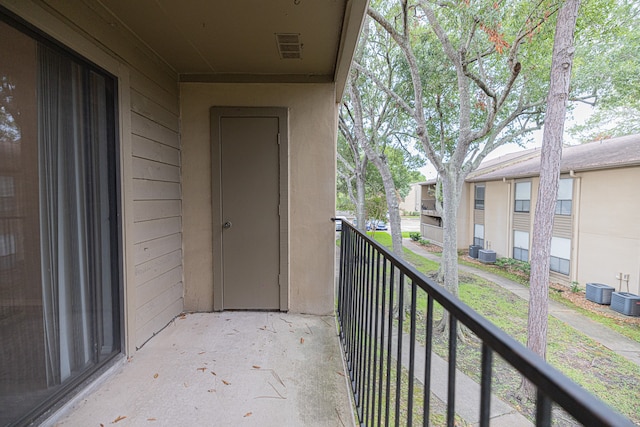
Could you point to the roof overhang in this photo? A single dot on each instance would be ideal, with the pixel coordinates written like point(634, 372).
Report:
point(239, 41)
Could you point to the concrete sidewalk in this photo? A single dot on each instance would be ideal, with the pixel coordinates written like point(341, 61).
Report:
point(614, 341)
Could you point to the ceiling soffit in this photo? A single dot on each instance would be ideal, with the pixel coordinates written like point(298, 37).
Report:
point(236, 40)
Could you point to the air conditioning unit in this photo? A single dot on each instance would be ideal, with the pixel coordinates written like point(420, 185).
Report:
point(599, 293)
point(473, 250)
point(626, 303)
point(487, 256)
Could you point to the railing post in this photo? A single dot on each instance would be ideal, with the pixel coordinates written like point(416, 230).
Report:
point(485, 386)
point(451, 378)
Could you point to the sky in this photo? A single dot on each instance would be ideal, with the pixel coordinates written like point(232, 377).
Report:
point(580, 114)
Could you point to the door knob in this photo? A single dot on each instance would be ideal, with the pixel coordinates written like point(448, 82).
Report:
point(227, 225)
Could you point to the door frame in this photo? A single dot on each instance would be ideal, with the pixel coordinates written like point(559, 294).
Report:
point(282, 114)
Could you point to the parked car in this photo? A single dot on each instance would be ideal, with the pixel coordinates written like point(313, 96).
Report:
point(377, 224)
point(338, 220)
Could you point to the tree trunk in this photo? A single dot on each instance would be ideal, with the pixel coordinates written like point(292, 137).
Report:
point(450, 203)
point(452, 182)
point(360, 201)
point(551, 154)
point(392, 205)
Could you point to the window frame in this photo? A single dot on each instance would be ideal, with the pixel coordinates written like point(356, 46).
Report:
point(564, 206)
point(522, 205)
point(519, 250)
point(113, 182)
point(557, 261)
point(478, 241)
point(478, 203)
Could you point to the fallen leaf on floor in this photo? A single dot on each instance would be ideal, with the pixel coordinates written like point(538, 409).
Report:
point(301, 340)
point(212, 390)
point(156, 375)
point(201, 369)
point(340, 373)
point(185, 385)
point(202, 352)
point(101, 425)
point(256, 367)
point(248, 414)
point(339, 417)
point(225, 382)
point(151, 419)
point(213, 373)
point(183, 316)
point(277, 377)
point(120, 418)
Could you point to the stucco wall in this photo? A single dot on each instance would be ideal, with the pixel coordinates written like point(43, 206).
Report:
point(609, 228)
point(312, 136)
point(465, 223)
point(497, 217)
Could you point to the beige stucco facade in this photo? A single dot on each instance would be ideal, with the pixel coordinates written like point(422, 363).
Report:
point(608, 225)
point(596, 230)
point(603, 226)
point(312, 123)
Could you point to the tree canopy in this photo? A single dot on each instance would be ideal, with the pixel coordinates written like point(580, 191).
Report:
point(606, 73)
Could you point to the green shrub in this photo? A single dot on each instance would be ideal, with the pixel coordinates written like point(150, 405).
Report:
point(514, 266)
point(415, 236)
point(424, 242)
point(575, 287)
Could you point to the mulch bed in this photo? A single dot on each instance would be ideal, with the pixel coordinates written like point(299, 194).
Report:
point(579, 299)
point(576, 298)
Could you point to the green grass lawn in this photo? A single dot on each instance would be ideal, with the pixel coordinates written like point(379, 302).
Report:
point(629, 330)
point(604, 373)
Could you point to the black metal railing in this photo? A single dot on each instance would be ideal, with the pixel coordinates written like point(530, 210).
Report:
point(384, 301)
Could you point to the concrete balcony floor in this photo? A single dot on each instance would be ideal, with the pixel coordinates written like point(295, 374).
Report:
point(226, 369)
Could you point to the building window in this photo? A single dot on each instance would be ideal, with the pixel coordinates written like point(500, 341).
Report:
point(560, 255)
point(59, 244)
point(479, 196)
point(478, 235)
point(523, 197)
point(521, 245)
point(564, 204)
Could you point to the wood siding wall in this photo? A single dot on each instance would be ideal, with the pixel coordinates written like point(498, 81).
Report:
point(478, 216)
point(563, 226)
point(522, 221)
point(150, 144)
point(433, 234)
point(157, 209)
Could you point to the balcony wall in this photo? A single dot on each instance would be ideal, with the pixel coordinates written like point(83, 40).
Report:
point(312, 136)
point(432, 233)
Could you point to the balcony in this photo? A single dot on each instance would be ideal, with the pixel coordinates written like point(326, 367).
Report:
point(428, 207)
point(278, 369)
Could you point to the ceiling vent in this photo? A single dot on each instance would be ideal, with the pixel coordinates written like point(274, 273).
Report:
point(289, 46)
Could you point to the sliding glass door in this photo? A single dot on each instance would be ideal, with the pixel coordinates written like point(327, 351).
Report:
point(59, 269)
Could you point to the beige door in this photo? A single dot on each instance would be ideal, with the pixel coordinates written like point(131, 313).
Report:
point(249, 221)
